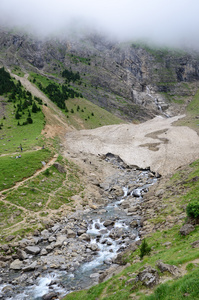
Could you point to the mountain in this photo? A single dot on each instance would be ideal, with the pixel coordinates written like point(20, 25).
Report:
point(134, 81)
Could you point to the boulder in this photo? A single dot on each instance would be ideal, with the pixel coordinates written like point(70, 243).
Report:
point(30, 267)
point(94, 247)
point(43, 252)
point(168, 268)
point(22, 254)
point(108, 223)
point(136, 193)
point(45, 234)
point(50, 296)
point(32, 250)
point(133, 224)
point(9, 238)
point(149, 277)
point(85, 237)
point(56, 227)
point(16, 265)
point(71, 233)
point(186, 229)
point(105, 186)
point(118, 190)
point(195, 244)
point(59, 167)
point(60, 240)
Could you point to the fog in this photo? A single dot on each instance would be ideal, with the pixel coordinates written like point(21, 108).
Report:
point(166, 22)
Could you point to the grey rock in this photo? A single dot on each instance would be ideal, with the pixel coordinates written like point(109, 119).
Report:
point(94, 247)
point(81, 231)
point(50, 247)
point(9, 238)
point(22, 254)
point(52, 239)
point(7, 290)
point(105, 186)
point(30, 267)
point(50, 296)
point(45, 234)
point(5, 247)
point(186, 229)
point(59, 167)
point(71, 233)
point(108, 223)
point(16, 265)
point(195, 244)
point(133, 224)
point(32, 250)
point(56, 227)
point(43, 252)
point(60, 240)
point(149, 277)
point(168, 268)
point(95, 275)
point(84, 237)
point(136, 193)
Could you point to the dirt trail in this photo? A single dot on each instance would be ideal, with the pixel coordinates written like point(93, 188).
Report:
point(18, 184)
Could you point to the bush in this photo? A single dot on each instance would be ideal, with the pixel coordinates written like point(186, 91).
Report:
point(193, 209)
point(145, 249)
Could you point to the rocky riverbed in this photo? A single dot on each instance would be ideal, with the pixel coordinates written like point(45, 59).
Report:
point(75, 252)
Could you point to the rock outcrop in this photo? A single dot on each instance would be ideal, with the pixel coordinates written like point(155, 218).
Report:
point(129, 78)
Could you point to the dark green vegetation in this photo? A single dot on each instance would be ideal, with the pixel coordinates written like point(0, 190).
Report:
point(145, 249)
point(166, 244)
point(69, 76)
point(193, 209)
point(79, 59)
point(81, 113)
point(24, 104)
point(58, 92)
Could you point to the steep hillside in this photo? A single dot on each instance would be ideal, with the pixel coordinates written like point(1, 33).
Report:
point(105, 204)
point(131, 80)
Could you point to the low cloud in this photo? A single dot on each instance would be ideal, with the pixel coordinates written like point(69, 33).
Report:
point(167, 22)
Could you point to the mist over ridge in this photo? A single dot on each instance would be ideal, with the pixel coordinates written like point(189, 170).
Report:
point(166, 23)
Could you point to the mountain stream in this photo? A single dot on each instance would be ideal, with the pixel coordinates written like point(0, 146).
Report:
point(97, 236)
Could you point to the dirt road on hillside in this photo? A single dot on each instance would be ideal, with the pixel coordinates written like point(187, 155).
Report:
point(156, 143)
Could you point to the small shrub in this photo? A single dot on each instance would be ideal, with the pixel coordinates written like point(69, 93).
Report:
point(193, 209)
point(47, 172)
point(190, 267)
point(145, 249)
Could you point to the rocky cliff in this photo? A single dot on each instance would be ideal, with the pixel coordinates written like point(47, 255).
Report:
point(131, 80)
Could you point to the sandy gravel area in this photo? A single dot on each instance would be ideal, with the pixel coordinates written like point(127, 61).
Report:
point(156, 143)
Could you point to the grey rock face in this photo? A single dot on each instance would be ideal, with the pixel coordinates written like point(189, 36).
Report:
point(168, 268)
point(186, 229)
point(59, 167)
point(149, 277)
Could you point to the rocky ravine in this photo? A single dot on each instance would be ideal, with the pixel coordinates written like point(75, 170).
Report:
point(73, 251)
